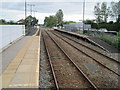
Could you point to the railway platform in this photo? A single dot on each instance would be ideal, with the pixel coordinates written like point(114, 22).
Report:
point(101, 44)
point(23, 71)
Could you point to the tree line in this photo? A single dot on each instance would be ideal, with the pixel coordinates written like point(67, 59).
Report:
point(54, 20)
point(102, 13)
point(29, 21)
point(4, 22)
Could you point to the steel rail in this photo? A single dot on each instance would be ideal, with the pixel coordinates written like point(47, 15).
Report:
point(87, 55)
point(92, 49)
point(73, 34)
point(49, 58)
point(91, 83)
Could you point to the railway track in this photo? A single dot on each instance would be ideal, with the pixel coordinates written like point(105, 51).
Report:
point(100, 58)
point(84, 45)
point(65, 72)
point(97, 73)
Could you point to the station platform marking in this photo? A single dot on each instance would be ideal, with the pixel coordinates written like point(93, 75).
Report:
point(23, 71)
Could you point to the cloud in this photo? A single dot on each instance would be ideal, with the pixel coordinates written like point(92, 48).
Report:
point(12, 14)
point(77, 17)
point(72, 10)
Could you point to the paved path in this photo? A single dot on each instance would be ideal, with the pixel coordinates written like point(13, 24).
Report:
point(23, 70)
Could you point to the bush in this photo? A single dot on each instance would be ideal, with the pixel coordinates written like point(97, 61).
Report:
point(118, 39)
point(109, 26)
point(112, 40)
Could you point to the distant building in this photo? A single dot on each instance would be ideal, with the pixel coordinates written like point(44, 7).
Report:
point(77, 26)
point(21, 21)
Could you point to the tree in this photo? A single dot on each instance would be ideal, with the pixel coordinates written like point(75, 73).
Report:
point(50, 21)
point(31, 21)
point(34, 21)
point(114, 10)
point(101, 12)
point(67, 22)
point(92, 23)
point(11, 22)
point(88, 21)
point(118, 20)
point(104, 11)
point(45, 21)
point(59, 16)
point(2, 21)
point(97, 13)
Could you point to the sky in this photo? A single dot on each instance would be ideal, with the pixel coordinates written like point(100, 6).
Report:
point(72, 9)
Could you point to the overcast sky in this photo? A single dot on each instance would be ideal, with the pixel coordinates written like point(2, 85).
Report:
point(72, 10)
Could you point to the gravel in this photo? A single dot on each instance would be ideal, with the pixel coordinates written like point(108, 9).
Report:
point(113, 54)
point(46, 79)
point(102, 77)
point(66, 74)
point(105, 61)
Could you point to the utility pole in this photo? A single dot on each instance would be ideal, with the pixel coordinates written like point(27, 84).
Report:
point(31, 5)
point(83, 15)
point(34, 12)
point(25, 10)
point(118, 12)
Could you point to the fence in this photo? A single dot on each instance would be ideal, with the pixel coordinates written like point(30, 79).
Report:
point(76, 27)
point(9, 33)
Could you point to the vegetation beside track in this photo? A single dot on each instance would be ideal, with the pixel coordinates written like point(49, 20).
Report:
point(112, 40)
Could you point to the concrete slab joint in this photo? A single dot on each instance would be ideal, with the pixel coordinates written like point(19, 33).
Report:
point(23, 71)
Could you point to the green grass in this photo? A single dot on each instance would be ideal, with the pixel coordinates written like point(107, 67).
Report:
point(77, 31)
point(112, 40)
point(80, 32)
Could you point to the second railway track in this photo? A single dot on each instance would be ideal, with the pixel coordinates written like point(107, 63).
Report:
point(105, 61)
point(65, 72)
point(101, 76)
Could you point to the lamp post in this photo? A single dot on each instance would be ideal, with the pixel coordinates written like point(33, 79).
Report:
point(83, 15)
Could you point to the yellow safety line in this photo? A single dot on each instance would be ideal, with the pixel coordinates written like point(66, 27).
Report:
point(15, 62)
point(37, 68)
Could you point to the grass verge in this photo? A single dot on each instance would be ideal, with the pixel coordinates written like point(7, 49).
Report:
point(112, 40)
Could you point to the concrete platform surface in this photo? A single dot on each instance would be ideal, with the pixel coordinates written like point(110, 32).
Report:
point(23, 71)
point(9, 54)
